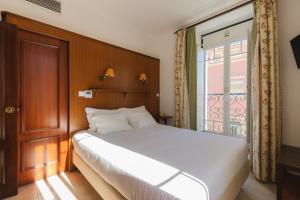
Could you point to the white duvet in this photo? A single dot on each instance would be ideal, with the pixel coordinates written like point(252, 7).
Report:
point(163, 163)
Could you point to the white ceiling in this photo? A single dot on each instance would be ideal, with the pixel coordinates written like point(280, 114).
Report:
point(150, 16)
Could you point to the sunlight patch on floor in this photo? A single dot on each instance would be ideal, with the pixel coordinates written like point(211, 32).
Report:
point(66, 179)
point(60, 188)
point(44, 190)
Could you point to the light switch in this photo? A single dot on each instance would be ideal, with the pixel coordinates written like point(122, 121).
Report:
point(81, 93)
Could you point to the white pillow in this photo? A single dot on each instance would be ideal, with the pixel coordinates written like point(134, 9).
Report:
point(141, 119)
point(110, 123)
point(136, 109)
point(91, 112)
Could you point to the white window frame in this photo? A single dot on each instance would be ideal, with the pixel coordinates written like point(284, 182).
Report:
point(243, 35)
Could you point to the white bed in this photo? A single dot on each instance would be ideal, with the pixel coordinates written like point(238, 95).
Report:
point(162, 163)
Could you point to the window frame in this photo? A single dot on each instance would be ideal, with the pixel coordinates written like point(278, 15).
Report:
point(226, 98)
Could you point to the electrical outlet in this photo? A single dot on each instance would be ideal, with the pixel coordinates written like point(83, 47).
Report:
point(88, 94)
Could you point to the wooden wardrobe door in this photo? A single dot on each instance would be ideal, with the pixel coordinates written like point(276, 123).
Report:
point(44, 106)
point(9, 111)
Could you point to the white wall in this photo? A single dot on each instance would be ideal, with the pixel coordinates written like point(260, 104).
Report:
point(164, 46)
point(289, 27)
point(166, 49)
point(114, 31)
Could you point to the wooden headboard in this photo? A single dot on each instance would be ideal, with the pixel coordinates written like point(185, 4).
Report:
point(88, 59)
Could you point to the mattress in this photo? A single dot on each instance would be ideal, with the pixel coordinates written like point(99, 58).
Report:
point(162, 162)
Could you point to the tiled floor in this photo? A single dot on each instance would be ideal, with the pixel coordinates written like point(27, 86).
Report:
point(72, 186)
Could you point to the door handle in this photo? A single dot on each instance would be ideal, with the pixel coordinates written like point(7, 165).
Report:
point(10, 109)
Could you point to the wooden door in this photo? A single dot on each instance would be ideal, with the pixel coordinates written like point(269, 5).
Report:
point(8, 114)
point(44, 106)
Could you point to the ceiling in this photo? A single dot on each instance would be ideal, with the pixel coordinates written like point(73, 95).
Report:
point(151, 16)
point(157, 15)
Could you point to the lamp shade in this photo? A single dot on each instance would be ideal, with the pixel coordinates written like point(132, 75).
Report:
point(109, 73)
point(143, 77)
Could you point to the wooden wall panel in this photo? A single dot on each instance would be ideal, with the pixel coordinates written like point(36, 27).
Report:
point(88, 59)
point(40, 152)
point(40, 101)
point(39, 158)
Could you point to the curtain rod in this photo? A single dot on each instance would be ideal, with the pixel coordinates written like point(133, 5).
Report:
point(217, 15)
point(226, 27)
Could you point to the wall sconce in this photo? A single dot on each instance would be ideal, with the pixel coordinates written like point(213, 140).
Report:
point(143, 78)
point(109, 74)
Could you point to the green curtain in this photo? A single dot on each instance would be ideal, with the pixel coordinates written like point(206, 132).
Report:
point(191, 69)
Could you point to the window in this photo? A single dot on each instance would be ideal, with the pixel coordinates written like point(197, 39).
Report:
point(226, 78)
point(222, 83)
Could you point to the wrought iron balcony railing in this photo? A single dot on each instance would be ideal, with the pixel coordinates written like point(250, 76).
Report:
point(237, 114)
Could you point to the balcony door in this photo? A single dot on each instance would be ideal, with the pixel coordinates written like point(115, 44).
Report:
point(226, 81)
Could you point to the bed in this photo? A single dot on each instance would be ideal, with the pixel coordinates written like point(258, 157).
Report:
point(162, 162)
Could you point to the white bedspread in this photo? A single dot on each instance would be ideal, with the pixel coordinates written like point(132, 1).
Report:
point(164, 163)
